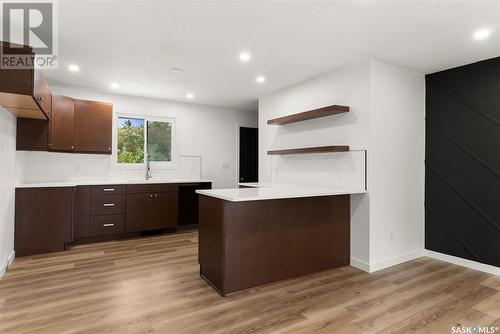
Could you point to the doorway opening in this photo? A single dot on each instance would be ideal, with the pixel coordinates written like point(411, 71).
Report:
point(249, 155)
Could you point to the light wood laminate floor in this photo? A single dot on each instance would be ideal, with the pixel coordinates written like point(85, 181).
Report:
point(152, 285)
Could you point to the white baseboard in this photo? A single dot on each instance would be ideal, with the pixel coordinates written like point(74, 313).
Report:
point(463, 262)
point(5, 265)
point(396, 260)
point(361, 265)
point(11, 258)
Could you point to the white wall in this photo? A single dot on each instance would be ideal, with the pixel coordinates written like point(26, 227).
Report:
point(387, 119)
point(209, 132)
point(7, 184)
point(397, 123)
point(349, 85)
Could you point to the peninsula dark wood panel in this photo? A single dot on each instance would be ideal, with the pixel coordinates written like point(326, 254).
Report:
point(317, 149)
point(252, 243)
point(43, 220)
point(211, 248)
point(311, 114)
point(61, 124)
point(93, 127)
point(462, 186)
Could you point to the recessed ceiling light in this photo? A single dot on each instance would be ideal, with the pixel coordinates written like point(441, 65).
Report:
point(177, 70)
point(260, 79)
point(114, 85)
point(190, 96)
point(73, 68)
point(245, 57)
point(482, 34)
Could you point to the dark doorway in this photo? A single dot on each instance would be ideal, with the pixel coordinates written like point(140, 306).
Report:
point(249, 157)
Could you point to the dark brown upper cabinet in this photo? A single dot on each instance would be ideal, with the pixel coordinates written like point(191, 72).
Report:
point(93, 127)
point(32, 135)
point(24, 92)
point(62, 124)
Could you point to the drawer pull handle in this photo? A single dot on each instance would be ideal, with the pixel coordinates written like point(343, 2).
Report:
point(108, 204)
point(108, 225)
point(109, 189)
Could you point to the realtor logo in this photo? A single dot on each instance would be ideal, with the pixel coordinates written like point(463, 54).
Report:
point(29, 24)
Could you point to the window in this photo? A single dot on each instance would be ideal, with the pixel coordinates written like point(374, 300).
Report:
point(159, 141)
point(137, 137)
point(130, 140)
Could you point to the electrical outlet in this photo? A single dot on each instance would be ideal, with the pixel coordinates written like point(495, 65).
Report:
point(225, 165)
point(391, 236)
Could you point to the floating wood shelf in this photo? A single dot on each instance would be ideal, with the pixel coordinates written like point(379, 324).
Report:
point(311, 114)
point(317, 149)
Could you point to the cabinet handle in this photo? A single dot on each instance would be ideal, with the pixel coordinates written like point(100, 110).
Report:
point(109, 204)
point(108, 225)
point(108, 189)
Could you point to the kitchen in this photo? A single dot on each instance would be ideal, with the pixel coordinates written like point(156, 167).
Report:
point(326, 191)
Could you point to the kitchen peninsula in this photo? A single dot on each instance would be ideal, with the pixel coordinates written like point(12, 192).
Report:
point(265, 233)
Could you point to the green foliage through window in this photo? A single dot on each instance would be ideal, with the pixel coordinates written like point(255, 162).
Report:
point(159, 141)
point(131, 139)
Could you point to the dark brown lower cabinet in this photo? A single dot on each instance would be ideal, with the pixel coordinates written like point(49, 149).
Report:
point(48, 218)
point(81, 215)
point(44, 219)
point(151, 211)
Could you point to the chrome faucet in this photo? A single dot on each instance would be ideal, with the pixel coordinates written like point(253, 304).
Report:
point(148, 168)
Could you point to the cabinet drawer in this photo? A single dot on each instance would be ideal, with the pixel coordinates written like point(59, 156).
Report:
point(109, 224)
point(108, 189)
point(151, 188)
point(107, 205)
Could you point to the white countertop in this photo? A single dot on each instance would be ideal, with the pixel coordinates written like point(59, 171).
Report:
point(104, 182)
point(266, 191)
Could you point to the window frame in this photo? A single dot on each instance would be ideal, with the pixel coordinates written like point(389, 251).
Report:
point(158, 165)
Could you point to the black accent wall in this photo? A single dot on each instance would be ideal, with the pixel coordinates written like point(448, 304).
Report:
point(462, 162)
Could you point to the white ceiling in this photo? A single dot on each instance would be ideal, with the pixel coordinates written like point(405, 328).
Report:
point(136, 43)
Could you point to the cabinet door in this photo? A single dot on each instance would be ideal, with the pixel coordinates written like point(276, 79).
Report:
point(41, 92)
point(151, 211)
point(61, 124)
point(81, 214)
point(43, 220)
point(16, 81)
point(32, 135)
point(93, 127)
